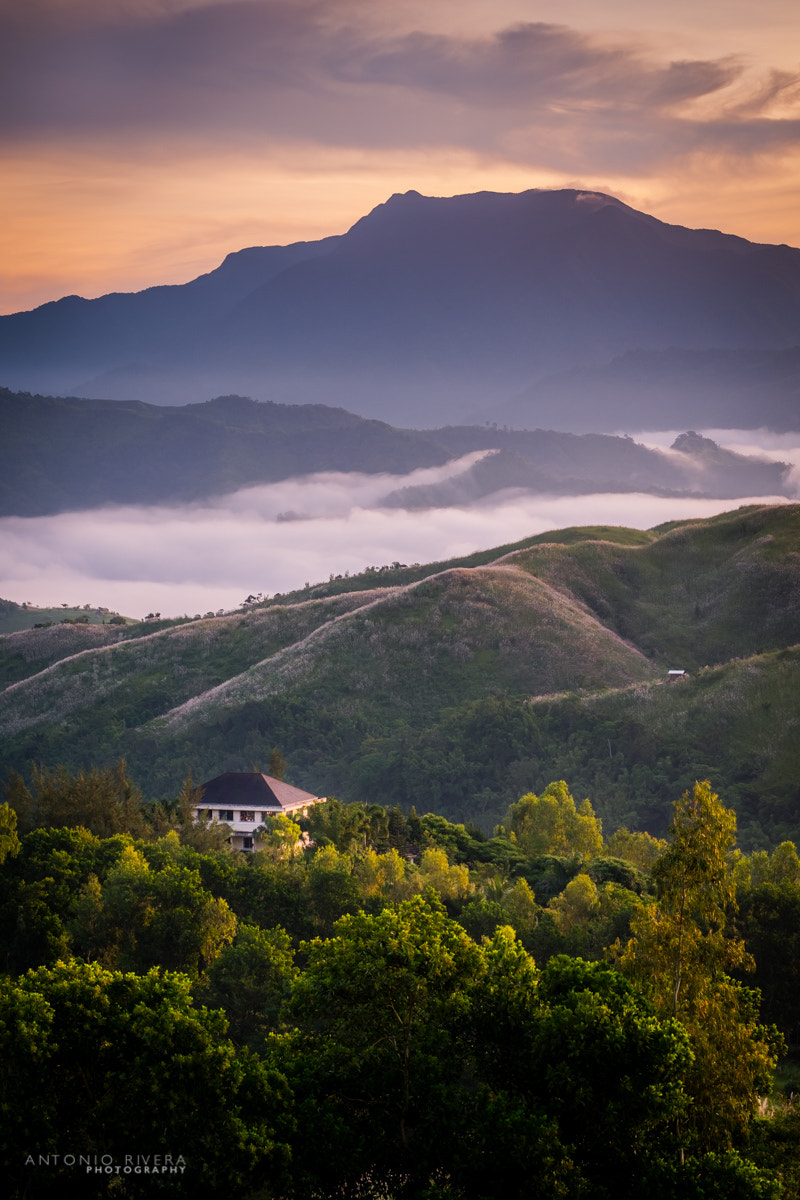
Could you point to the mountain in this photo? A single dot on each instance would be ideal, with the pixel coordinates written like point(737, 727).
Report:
point(60, 454)
point(458, 686)
point(733, 389)
point(430, 309)
point(57, 344)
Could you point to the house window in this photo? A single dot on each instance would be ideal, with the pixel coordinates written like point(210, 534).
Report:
point(226, 814)
point(247, 843)
point(247, 816)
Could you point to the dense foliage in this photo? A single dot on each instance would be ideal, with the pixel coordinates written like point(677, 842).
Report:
point(393, 1006)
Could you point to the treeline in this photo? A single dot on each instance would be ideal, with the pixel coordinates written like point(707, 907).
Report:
point(384, 1004)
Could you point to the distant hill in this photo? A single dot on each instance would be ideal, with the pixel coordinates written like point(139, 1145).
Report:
point(14, 617)
point(458, 686)
point(61, 454)
point(431, 309)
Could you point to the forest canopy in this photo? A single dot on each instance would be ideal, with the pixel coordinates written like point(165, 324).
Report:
point(381, 1003)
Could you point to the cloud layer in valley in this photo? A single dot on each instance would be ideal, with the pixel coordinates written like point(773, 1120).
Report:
point(277, 537)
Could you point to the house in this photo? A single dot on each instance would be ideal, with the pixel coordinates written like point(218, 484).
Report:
point(245, 799)
point(676, 674)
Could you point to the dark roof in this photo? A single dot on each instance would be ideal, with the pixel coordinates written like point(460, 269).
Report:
point(249, 788)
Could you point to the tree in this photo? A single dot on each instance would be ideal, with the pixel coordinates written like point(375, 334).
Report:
point(770, 920)
point(138, 918)
point(250, 980)
point(198, 831)
point(372, 1062)
point(641, 849)
point(279, 838)
point(551, 824)
point(9, 842)
point(681, 953)
point(277, 763)
point(106, 1063)
point(103, 800)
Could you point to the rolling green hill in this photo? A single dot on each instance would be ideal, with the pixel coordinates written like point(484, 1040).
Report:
point(458, 686)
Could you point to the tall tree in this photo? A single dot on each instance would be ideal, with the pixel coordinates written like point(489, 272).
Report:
point(682, 950)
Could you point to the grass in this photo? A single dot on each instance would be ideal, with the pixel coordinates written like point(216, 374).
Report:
point(371, 690)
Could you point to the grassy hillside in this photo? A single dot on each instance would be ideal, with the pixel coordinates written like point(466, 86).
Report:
point(458, 686)
point(14, 617)
point(700, 593)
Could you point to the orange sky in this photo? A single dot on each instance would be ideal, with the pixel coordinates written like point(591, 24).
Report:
point(144, 140)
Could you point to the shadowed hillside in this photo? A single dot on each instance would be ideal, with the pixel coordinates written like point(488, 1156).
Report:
point(60, 454)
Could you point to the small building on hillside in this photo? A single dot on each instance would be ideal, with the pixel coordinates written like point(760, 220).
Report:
point(244, 800)
point(676, 674)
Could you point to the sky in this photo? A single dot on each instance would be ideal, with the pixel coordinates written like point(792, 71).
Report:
point(142, 140)
point(208, 556)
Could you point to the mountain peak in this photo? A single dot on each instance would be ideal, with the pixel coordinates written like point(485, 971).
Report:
point(434, 309)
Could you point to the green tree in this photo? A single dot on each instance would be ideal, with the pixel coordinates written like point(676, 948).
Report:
point(279, 838)
point(641, 849)
point(9, 842)
point(103, 800)
point(552, 824)
point(277, 764)
point(373, 1061)
point(770, 922)
point(199, 832)
point(107, 1063)
point(138, 918)
point(344, 826)
point(682, 952)
point(251, 979)
point(39, 888)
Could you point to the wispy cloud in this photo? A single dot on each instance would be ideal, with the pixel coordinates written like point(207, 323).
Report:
point(270, 69)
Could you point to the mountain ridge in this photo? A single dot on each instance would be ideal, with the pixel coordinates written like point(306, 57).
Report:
point(70, 454)
point(434, 307)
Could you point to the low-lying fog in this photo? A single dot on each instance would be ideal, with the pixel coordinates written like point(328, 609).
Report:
point(273, 538)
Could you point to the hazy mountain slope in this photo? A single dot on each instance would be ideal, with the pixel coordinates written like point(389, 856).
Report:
point(401, 653)
point(632, 751)
point(410, 652)
point(435, 306)
point(701, 593)
point(732, 389)
point(569, 465)
point(58, 344)
point(61, 454)
point(432, 308)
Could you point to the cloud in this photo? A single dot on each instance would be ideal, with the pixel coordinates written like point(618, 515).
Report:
point(279, 71)
point(204, 557)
